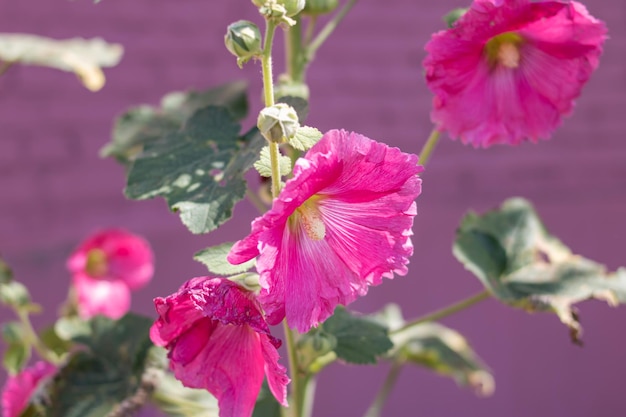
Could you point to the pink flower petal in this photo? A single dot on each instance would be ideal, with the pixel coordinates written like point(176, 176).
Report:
point(218, 340)
point(19, 388)
point(109, 298)
point(485, 103)
point(363, 193)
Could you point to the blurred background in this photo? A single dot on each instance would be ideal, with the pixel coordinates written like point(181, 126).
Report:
point(55, 190)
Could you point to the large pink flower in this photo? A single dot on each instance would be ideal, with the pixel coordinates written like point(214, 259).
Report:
point(105, 268)
point(218, 340)
point(509, 69)
point(19, 388)
point(342, 223)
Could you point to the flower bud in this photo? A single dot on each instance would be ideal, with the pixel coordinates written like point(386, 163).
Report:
point(243, 39)
point(318, 7)
point(291, 7)
point(315, 344)
point(278, 122)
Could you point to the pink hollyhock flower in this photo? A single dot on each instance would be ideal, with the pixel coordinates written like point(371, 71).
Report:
point(339, 225)
point(105, 268)
point(509, 69)
point(20, 388)
point(218, 340)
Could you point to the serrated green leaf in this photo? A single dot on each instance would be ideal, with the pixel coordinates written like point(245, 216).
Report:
point(16, 356)
point(300, 105)
point(6, 274)
point(359, 340)
point(144, 124)
point(214, 258)
point(199, 170)
point(84, 57)
point(104, 372)
point(305, 138)
point(264, 164)
point(512, 254)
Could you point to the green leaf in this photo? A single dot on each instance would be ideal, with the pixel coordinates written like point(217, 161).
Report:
point(72, 327)
point(15, 295)
point(105, 372)
point(85, 57)
point(305, 138)
point(52, 341)
point(300, 105)
point(521, 264)
point(6, 274)
point(144, 124)
point(16, 356)
point(13, 332)
point(266, 405)
point(198, 170)
point(359, 340)
point(454, 15)
point(264, 164)
point(175, 400)
point(215, 260)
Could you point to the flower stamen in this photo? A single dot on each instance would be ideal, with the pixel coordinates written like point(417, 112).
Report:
point(504, 50)
point(311, 221)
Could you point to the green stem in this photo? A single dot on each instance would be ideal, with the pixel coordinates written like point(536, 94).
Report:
point(297, 388)
point(293, 51)
point(309, 30)
point(274, 159)
point(328, 29)
point(41, 349)
point(266, 63)
point(446, 311)
point(429, 146)
point(377, 406)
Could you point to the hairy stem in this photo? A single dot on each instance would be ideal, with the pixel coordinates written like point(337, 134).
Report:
point(446, 311)
point(429, 146)
point(381, 398)
point(297, 386)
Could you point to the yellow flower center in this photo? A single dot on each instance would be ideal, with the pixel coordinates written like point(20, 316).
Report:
point(504, 49)
point(311, 220)
point(96, 265)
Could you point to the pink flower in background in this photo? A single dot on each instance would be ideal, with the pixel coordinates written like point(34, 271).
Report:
point(19, 388)
point(509, 69)
point(218, 340)
point(341, 224)
point(105, 268)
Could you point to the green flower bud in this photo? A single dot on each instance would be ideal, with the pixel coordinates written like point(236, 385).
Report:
point(318, 7)
point(290, 7)
point(243, 39)
point(293, 7)
point(278, 122)
point(315, 344)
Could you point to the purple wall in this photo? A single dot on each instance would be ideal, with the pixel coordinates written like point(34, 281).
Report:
point(55, 190)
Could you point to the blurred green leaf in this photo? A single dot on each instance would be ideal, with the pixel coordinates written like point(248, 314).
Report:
point(6, 275)
point(13, 332)
point(52, 341)
point(144, 124)
point(214, 258)
point(454, 15)
point(198, 170)
point(84, 57)
point(266, 405)
point(71, 327)
point(16, 357)
point(524, 266)
point(176, 400)
point(106, 371)
point(15, 295)
point(359, 339)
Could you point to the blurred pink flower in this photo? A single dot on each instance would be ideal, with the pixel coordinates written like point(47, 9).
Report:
point(19, 388)
point(105, 268)
point(218, 340)
point(339, 225)
point(509, 69)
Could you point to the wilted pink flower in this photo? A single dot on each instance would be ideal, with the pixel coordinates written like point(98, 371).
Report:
point(218, 340)
point(342, 223)
point(19, 388)
point(509, 69)
point(105, 268)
